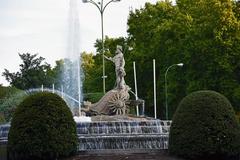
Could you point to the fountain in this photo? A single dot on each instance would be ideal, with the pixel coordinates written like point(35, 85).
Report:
point(123, 135)
point(110, 126)
point(72, 77)
point(4, 133)
point(116, 135)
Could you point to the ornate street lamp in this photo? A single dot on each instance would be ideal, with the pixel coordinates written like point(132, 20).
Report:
point(101, 7)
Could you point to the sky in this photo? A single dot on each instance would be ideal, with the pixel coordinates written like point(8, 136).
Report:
point(41, 26)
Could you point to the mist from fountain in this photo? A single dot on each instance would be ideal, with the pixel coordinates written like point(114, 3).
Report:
point(72, 74)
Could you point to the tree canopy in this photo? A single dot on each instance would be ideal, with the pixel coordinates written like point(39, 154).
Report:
point(204, 35)
point(34, 72)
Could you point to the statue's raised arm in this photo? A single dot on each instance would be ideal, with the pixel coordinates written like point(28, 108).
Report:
point(108, 58)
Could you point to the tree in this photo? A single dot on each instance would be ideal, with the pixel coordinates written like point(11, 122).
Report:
point(212, 53)
point(158, 32)
point(88, 64)
point(204, 35)
point(2, 119)
point(10, 98)
point(54, 74)
point(32, 72)
point(236, 9)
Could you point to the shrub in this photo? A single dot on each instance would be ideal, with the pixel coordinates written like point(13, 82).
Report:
point(42, 128)
point(2, 119)
point(6, 91)
point(10, 98)
point(205, 127)
point(9, 104)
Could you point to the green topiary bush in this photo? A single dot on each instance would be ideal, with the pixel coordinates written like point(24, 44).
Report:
point(205, 127)
point(42, 128)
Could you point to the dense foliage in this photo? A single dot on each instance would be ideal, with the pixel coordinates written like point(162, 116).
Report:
point(2, 119)
point(42, 128)
point(204, 35)
point(93, 97)
point(34, 73)
point(205, 127)
point(6, 91)
point(10, 98)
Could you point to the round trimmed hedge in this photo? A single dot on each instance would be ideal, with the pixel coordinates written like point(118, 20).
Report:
point(42, 128)
point(205, 127)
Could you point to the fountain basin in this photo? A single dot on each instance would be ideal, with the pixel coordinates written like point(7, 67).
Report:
point(141, 134)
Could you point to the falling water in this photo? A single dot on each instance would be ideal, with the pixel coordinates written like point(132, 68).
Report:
point(118, 135)
point(123, 135)
point(4, 129)
point(72, 79)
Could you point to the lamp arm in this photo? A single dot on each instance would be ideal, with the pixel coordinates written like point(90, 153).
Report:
point(169, 69)
point(95, 4)
point(107, 5)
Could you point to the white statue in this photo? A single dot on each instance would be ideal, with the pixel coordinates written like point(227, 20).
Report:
point(119, 62)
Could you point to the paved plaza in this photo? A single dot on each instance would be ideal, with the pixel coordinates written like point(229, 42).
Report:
point(125, 156)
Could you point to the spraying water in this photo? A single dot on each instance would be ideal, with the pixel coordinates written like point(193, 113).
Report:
point(72, 79)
